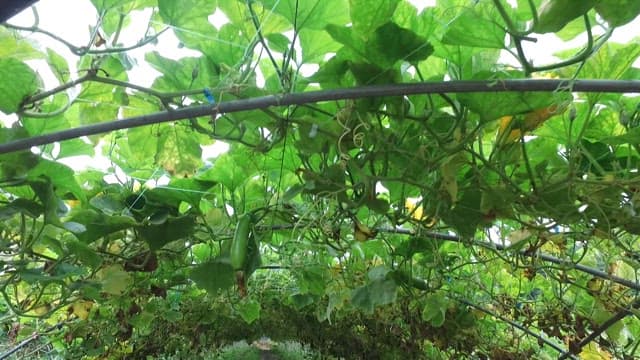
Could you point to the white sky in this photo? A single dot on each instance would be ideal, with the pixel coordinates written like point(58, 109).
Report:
point(72, 22)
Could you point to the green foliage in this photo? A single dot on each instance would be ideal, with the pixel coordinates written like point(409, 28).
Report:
point(423, 226)
point(14, 72)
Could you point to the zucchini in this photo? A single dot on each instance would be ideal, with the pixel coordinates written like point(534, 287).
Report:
point(240, 243)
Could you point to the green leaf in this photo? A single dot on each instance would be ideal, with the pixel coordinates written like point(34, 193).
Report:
point(12, 72)
point(618, 12)
point(15, 165)
point(300, 301)
point(58, 65)
point(36, 126)
point(108, 4)
point(139, 146)
point(472, 29)
point(172, 315)
point(201, 252)
point(415, 245)
point(632, 136)
point(189, 190)
point(109, 204)
point(61, 176)
point(214, 276)
point(99, 225)
point(249, 310)
point(310, 14)
point(397, 43)
point(278, 42)
point(53, 206)
point(92, 113)
point(612, 61)
point(177, 75)
point(228, 50)
point(376, 293)
point(23, 206)
point(75, 147)
point(17, 47)
point(229, 170)
point(367, 18)
point(553, 15)
point(84, 253)
point(143, 322)
point(175, 228)
point(345, 36)
point(190, 20)
point(435, 309)
point(491, 106)
point(312, 280)
point(315, 44)
point(466, 214)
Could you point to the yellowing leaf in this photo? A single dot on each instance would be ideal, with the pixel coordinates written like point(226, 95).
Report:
point(362, 232)
point(449, 181)
point(115, 247)
point(81, 309)
point(114, 279)
point(41, 310)
point(517, 236)
point(593, 352)
point(513, 127)
point(415, 211)
point(595, 285)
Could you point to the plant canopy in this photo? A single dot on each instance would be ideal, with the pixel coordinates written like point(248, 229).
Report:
point(370, 178)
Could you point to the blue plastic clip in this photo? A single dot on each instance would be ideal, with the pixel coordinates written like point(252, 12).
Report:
point(209, 96)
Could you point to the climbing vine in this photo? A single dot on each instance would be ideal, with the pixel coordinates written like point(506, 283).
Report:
point(388, 179)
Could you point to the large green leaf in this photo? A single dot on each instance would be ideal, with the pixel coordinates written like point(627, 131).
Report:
point(21, 206)
point(397, 43)
point(618, 12)
point(189, 20)
point(612, 61)
point(466, 214)
point(492, 106)
point(51, 203)
point(84, 253)
point(172, 229)
point(312, 280)
point(315, 44)
point(631, 137)
point(310, 14)
point(15, 165)
point(179, 75)
point(189, 190)
point(60, 175)
point(98, 225)
point(553, 15)
point(375, 293)
point(249, 310)
point(229, 170)
point(435, 309)
point(214, 276)
point(16, 47)
point(367, 18)
point(472, 29)
point(18, 82)
point(97, 112)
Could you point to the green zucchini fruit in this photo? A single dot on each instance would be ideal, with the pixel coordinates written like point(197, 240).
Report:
point(240, 244)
